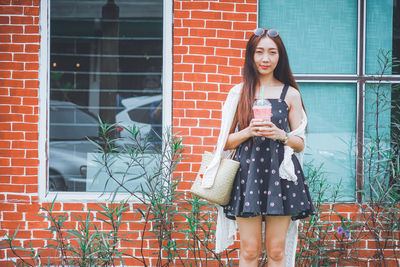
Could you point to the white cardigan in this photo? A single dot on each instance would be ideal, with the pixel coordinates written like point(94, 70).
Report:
point(226, 228)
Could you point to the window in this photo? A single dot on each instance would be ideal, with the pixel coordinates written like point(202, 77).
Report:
point(333, 47)
point(106, 59)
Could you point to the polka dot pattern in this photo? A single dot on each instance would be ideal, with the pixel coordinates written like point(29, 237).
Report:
point(258, 189)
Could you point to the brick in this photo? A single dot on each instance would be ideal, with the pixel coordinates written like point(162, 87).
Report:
point(23, 75)
point(191, 113)
point(32, 48)
point(222, 6)
point(181, 130)
point(32, 154)
point(12, 188)
point(5, 38)
point(218, 42)
point(22, 2)
point(238, 62)
point(26, 38)
point(205, 68)
point(236, 79)
point(229, 70)
point(205, 15)
point(24, 162)
point(180, 49)
point(11, 48)
point(5, 74)
point(211, 141)
point(181, 14)
point(31, 118)
point(177, 59)
point(183, 104)
point(234, 16)
point(246, 8)
point(203, 32)
point(216, 78)
point(11, 66)
point(34, 11)
point(5, 57)
point(192, 41)
point(30, 101)
point(181, 86)
point(208, 105)
point(24, 144)
point(31, 66)
point(5, 2)
point(32, 84)
point(217, 60)
point(193, 23)
point(10, 117)
point(227, 52)
point(189, 122)
point(183, 68)
point(189, 140)
point(12, 216)
point(10, 10)
point(193, 59)
point(30, 127)
point(10, 83)
point(230, 34)
point(23, 92)
point(181, 32)
point(201, 50)
point(11, 136)
point(238, 44)
point(243, 26)
point(212, 24)
point(195, 77)
point(31, 29)
point(23, 20)
point(10, 100)
point(194, 5)
point(4, 20)
point(209, 123)
point(205, 87)
point(196, 95)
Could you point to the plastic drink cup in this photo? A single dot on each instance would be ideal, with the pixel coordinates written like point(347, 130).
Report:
point(262, 109)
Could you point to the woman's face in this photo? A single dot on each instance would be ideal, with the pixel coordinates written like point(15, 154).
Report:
point(266, 56)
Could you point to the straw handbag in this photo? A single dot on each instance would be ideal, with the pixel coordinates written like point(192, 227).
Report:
point(220, 191)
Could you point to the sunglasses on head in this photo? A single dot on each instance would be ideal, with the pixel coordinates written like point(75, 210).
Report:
point(270, 32)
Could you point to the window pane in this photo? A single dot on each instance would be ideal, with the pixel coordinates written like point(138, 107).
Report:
point(320, 35)
point(106, 61)
point(331, 110)
point(383, 32)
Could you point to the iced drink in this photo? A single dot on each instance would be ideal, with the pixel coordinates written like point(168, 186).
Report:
point(262, 109)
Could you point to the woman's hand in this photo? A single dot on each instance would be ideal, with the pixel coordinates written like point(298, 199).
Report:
point(255, 127)
point(272, 132)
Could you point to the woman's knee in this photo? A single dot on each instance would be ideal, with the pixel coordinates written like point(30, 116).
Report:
point(276, 250)
point(250, 249)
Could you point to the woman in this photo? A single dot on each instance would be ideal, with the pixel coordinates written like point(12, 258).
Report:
point(263, 190)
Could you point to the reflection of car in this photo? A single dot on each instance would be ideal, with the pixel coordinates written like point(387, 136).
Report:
point(70, 126)
point(143, 112)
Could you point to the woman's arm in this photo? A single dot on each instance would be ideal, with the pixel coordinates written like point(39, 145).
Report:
point(235, 139)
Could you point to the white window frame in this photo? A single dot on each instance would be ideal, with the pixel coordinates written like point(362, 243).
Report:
point(44, 99)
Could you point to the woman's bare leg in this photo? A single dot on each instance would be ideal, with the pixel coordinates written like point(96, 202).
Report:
point(275, 239)
point(250, 240)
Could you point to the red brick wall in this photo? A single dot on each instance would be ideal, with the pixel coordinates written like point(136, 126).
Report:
point(209, 46)
point(209, 41)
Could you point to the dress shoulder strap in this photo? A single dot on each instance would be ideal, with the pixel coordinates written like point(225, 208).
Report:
point(284, 91)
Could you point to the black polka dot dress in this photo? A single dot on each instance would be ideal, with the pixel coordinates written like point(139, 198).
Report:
point(258, 189)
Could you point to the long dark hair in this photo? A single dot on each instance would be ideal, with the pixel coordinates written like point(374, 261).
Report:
point(251, 79)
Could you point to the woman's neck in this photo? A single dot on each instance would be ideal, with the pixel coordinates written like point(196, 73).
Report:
point(269, 81)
